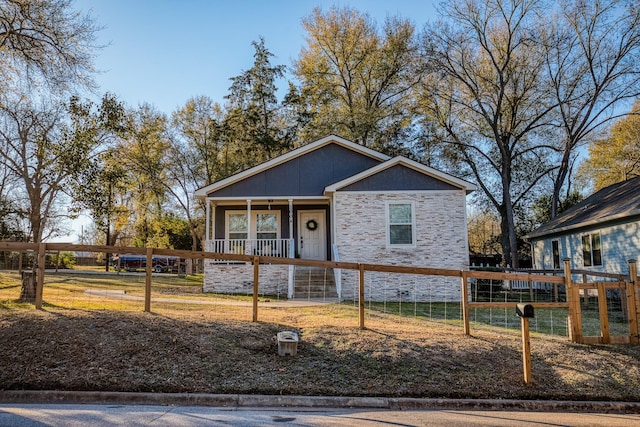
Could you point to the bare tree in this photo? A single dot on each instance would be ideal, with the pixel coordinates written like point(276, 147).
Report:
point(594, 69)
point(46, 40)
point(490, 97)
point(197, 157)
point(33, 152)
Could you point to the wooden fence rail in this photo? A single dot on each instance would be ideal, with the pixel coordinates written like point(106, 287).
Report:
point(573, 289)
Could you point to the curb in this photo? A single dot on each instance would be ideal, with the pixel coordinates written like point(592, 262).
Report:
point(311, 402)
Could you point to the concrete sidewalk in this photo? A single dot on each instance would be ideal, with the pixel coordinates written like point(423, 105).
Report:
point(312, 402)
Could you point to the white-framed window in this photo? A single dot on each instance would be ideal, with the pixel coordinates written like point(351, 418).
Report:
point(264, 225)
point(401, 226)
point(591, 250)
point(237, 226)
point(267, 225)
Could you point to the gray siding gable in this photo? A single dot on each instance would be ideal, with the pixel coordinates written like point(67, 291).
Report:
point(306, 175)
point(399, 178)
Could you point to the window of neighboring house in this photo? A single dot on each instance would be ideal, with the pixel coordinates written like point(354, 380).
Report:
point(555, 248)
point(591, 250)
point(401, 224)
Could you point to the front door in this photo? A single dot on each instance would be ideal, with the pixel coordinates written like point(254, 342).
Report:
point(311, 235)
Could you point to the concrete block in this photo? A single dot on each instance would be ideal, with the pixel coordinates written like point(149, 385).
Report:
point(287, 343)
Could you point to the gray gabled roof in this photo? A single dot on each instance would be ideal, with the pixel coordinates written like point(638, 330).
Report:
point(616, 202)
point(400, 160)
point(331, 139)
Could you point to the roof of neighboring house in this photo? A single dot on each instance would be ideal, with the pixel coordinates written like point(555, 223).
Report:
point(616, 202)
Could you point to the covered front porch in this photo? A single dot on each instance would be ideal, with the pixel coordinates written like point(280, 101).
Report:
point(284, 228)
point(287, 228)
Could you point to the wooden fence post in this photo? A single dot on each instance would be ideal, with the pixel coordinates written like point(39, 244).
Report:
point(573, 298)
point(605, 336)
point(633, 303)
point(42, 248)
point(526, 350)
point(361, 295)
point(147, 287)
point(256, 275)
point(465, 302)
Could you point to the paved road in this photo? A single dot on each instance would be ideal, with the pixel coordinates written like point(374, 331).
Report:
point(41, 415)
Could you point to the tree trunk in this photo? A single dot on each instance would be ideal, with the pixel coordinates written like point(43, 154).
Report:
point(28, 291)
point(563, 170)
point(509, 240)
point(504, 238)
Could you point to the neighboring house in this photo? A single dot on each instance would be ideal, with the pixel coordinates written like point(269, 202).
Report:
point(336, 200)
point(602, 233)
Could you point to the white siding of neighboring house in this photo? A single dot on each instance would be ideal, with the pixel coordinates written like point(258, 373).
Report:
point(619, 244)
point(441, 242)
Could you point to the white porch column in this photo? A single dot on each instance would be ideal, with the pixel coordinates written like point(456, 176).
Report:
point(291, 219)
point(291, 251)
point(207, 233)
point(247, 249)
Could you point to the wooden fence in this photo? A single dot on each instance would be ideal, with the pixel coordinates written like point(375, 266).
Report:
point(632, 300)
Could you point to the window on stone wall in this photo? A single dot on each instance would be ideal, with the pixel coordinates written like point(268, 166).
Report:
point(591, 251)
point(401, 224)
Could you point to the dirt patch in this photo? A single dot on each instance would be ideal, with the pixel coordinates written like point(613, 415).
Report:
point(202, 353)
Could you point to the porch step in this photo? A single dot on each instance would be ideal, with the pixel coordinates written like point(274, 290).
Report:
point(314, 283)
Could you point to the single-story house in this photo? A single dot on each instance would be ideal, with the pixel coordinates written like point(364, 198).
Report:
point(336, 200)
point(601, 233)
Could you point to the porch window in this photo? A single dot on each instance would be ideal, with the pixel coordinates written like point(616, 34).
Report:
point(401, 224)
point(591, 251)
point(238, 226)
point(266, 226)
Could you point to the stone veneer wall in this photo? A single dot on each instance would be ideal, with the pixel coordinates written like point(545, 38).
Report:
point(441, 236)
point(238, 278)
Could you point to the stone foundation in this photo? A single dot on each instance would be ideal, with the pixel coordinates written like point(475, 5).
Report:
point(238, 279)
point(390, 287)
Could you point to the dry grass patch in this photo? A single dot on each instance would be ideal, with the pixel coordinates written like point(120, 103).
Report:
point(216, 350)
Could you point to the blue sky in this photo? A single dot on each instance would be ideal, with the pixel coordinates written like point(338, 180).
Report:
point(164, 52)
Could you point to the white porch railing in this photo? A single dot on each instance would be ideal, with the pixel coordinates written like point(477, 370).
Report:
point(282, 248)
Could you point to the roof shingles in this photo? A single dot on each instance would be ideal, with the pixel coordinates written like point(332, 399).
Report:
point(611, 203)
